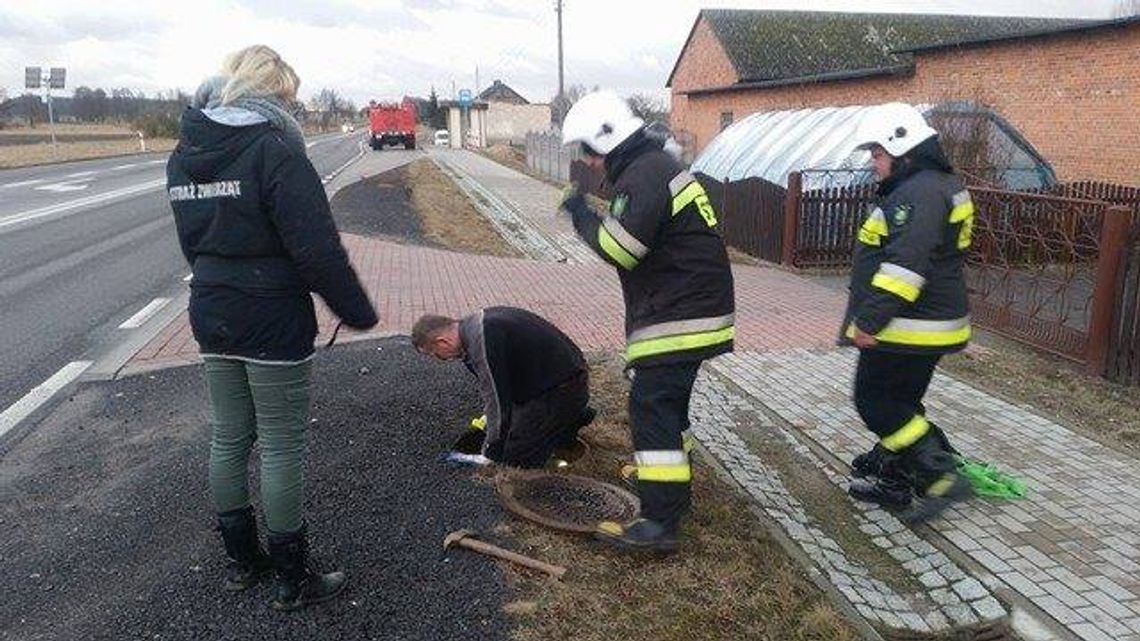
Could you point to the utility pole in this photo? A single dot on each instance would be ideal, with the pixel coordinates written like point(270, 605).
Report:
point(558, 10)
point(476, 80)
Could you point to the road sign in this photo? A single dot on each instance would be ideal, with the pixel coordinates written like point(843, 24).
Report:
point(465, 97)
point(55, 80)
point(32, 77)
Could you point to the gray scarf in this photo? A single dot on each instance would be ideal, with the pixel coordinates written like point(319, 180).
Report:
point(209, 96)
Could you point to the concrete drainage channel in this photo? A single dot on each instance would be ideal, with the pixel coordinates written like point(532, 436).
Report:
point(510, 225)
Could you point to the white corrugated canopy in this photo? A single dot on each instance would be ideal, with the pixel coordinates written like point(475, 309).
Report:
point(771, 144)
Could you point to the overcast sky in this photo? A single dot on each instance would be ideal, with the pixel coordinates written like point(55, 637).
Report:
point(388, 48)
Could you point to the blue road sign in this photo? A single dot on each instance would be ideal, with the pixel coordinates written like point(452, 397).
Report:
point(465, 97)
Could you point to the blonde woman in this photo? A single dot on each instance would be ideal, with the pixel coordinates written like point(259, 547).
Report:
point(255, 226)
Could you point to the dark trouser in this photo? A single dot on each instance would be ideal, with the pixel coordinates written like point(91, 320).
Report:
point(889, 388)
point(659, 413)
point(546, 423)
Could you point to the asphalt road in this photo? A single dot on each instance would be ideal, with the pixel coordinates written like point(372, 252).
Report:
point(106, 529)
point(84, 248)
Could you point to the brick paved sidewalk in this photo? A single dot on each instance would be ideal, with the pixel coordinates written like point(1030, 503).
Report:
point(1068, 555)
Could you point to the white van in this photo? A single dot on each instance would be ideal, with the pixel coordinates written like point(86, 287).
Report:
point(442, 138)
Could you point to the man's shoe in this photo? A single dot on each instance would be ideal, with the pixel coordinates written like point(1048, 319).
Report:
point(887, 495)
point(640, 535)
point(943, 493)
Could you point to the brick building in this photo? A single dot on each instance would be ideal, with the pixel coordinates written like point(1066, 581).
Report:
point(1071, 87)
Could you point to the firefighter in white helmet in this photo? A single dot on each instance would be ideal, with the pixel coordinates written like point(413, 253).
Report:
point(661, 234)
point(907, 308)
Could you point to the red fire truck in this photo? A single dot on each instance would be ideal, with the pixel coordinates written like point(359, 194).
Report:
point(392, 124)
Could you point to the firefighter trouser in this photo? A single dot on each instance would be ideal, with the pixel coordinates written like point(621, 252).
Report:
point(889, 388)
point(659, 414)
point(546, 423)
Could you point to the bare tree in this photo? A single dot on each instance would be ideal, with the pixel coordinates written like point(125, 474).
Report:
point(559, 105)
point(648, 108)
point(1126, 9)
point(328, 104)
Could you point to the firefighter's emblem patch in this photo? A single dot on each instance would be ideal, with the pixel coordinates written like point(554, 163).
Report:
point(902, 214)
point(619, 204)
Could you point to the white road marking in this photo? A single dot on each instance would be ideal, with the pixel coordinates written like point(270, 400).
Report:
point(70, 185)
point(126, 166)
point(23, 183)
point(160, 161)
point(93, 199)
point(43, 392)
point(143, 314)
point(80, 174)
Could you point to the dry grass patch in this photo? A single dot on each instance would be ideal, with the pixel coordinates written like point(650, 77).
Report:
point(69, 128)
point(41, 153)
point(730, 581)
point(1093, 406)
point(448, 217)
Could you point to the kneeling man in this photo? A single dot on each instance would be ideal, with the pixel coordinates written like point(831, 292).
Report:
point(532, 378)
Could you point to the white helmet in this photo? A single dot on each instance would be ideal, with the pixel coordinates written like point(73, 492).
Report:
point(601, 120)
point(895, 126)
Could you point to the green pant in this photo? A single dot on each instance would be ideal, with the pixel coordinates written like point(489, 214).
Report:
point(269, 404)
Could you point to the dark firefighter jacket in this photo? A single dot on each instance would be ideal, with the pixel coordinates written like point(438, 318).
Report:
point(908, 285)
point(661, 233)
point(255, 226)
point(517, 356)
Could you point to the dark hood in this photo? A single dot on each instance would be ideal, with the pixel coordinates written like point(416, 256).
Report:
point(637, 144)
point(928, 154)
point(205, 147)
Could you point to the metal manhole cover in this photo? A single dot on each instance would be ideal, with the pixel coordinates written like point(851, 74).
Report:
point(565, 502)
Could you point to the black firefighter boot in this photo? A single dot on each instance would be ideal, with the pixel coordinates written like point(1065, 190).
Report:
point(936, 480)
point(892, 486)
point(248, 562)
point(868, 463)
point(297, 585)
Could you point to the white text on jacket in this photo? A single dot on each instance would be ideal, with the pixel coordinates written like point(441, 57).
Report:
point(221, 189)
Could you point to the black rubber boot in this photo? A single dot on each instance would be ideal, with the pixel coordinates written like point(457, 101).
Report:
point(248, 562)
point(298, 586)
point(868, 464)
point(892, 487)
point(936, 480)
point(639, 535)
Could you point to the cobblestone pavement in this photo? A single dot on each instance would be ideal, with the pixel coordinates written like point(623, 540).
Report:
point(777, 416)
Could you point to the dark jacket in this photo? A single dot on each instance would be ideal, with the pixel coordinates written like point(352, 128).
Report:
point(254, 224)
point(661, 234)
point(517, 356)
point(908, 285)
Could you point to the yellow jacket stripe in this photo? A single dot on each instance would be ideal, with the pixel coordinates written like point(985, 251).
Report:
point(907, 435)
point(963, 207)
point(922, 333)
point(874, 228)
point(614, 250)
point(663, 466)
point(687, 195)
point(899, 280)
point(677, 343)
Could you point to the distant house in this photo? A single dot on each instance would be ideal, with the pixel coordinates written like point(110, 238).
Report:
point(500, 92)
point(1070, 86)
point(510, 116)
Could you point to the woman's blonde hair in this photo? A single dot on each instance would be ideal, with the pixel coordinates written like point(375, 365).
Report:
point(258, 71)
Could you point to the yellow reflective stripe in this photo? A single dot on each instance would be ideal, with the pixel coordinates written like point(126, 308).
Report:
point(614, 249)
point(920, 333)
point(682, 342)
point(941, 486)
point(479, 422)
point(869, 238)
point(665, 473)
point(924, 338)
point(687, 441)
point(962, 212)
point(687, 195)
point(896, 286)
point(907, 435)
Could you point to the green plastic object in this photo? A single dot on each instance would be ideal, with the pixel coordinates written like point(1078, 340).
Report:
point(987, 480)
